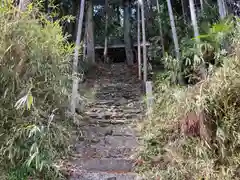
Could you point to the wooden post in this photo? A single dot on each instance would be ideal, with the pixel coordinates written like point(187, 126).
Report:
point(139, 43)
point(75, 61)
point(144, 42)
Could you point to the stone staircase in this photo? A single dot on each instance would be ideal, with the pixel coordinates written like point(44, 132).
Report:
point(110, 141)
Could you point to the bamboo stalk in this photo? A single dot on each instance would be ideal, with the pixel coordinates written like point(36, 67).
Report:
point(160, 28)
point(106, 33)
point(75, 61)
point(139, 46)
point(144, 43)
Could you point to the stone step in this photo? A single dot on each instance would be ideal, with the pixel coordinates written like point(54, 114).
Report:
point(121, 141)
point(114, 101)
point(105, 102)
point(113, 110)
point(110, 115)
point(95, 130)
point(102, 151)
point(113, 142)
point(105, 176)
point(107, 122)
point(105, 164)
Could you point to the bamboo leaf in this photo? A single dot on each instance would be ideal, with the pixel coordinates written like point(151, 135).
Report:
point(29, 101)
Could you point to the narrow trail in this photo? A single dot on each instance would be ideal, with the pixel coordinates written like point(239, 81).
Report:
point(106, 152)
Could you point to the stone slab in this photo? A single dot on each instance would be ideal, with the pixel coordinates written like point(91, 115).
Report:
point(121, 141)
point(105, 176)
point(105, 164)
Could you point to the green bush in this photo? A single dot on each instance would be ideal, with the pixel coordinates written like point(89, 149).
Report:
point(169, 154)
point(34, 81)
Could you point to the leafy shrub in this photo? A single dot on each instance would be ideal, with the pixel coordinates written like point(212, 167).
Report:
point(198, 58)
point(34, 80)
point(169, 154)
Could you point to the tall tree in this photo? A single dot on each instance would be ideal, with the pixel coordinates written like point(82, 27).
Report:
point(148, 9)
point(183, 4)
point(202, 70)
point(221, 8)
point(127, 30)
point(144, 41)
point(106, 32)
point(90, 34)
point(194, 19)
point(174, 31)
point(201, 3)
point(139, 43)
point(75, 61)
point(225, 7)
point(160, 27)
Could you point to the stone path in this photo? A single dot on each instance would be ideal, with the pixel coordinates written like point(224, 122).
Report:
point(109, 143)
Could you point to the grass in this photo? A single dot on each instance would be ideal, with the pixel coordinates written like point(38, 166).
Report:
point(168, 153)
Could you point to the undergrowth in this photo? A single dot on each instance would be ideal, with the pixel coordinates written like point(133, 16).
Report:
point(169, 154)
point(34, 81)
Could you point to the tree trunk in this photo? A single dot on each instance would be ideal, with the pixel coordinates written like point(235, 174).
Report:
point(201, 3)
point(144, 45)
point(23, 4)
point(175, 40)
point(148, 16)
point(84, 46)
point(160, 28)
point(221, 9)
point(90, 34)
point(183, 11)
point(105, 54)
point(75, 60)
point(225, 8)
point(76, 9)
point(127, 31)
point(139, 43)
point(202, 70)
point(174, 31)
point(194, 20)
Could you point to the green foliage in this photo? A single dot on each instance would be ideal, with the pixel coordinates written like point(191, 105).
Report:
point(177, 156)
point(210, 50)
point(34, 61)
point(114, 30)
point(209, 15)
